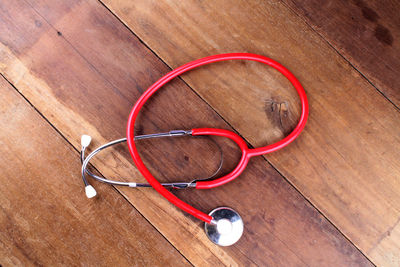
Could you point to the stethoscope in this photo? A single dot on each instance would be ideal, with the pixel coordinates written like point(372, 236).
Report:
point(223, 225)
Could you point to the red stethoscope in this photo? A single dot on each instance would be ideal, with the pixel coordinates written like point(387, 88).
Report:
point(223, 225)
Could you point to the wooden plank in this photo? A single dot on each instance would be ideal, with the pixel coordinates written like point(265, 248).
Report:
point(60, 56)
point(366, 33)
point(44, 222)
point(346, 162)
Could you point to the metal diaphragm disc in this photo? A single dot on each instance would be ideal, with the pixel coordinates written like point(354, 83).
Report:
point(228, 228)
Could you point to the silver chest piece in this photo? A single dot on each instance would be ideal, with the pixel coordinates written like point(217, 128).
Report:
point(228, 227)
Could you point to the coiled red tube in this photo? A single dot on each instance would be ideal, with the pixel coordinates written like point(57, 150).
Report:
point(247, 153)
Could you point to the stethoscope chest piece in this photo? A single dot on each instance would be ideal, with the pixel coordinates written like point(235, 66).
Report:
point(226, 227)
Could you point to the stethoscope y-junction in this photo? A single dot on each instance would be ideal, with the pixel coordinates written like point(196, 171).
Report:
point(223, 225)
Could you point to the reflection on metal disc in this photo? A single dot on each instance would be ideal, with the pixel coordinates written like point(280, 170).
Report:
point(228, 228)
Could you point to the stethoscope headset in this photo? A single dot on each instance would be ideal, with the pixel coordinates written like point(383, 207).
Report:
point(223, 225)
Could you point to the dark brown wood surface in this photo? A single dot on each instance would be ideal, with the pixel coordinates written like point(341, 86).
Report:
point(82, 69)
point(366, 33)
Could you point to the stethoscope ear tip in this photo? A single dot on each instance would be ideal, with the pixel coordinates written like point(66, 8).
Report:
point(90, 191)
point(85, 140)
point(226, 227)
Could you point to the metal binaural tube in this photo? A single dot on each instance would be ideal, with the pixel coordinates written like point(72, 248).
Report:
point(176, 185)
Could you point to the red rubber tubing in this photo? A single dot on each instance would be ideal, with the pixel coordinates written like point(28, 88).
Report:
point(247, 153)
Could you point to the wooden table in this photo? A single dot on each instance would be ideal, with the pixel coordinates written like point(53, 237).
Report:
point(331, 198)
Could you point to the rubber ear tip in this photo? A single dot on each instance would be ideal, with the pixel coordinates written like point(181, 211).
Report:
point(90, 191)
point(85, 140)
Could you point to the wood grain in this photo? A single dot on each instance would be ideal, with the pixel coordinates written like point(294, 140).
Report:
point(44, 222)
point(366, 33)
point(83, 70)
point(346, 161)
